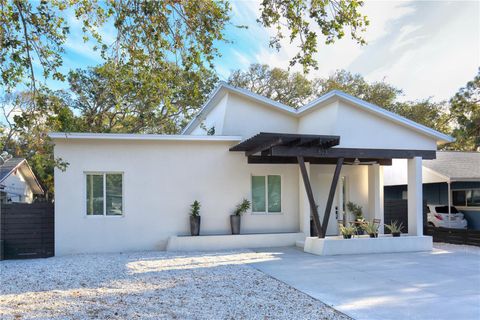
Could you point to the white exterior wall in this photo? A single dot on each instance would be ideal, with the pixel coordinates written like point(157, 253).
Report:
point(17, 188)
point(215, 118)
point(246, 118)
point(362, 129)
point(161, 180)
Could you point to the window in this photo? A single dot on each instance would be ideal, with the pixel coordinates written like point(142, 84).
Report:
point(267, 194)
point(104, 194)
point(466, 198)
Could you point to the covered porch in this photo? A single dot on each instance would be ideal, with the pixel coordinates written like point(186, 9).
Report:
point(329, 176)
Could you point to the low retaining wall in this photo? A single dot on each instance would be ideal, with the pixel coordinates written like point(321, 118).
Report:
point(365, 245)
point(241, 241)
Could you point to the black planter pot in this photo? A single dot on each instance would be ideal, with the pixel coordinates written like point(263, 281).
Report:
point(195, 225)
point(347, 236)
point(396, 234)
point(373, 235)
point(235, 224)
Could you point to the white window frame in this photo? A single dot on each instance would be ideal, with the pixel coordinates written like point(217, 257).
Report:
point(465, 206)
point(103, 173)
point(266, 212)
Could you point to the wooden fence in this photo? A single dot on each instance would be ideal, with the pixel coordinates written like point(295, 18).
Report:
point(397, 210)
point(27, 230)
point(454, 236)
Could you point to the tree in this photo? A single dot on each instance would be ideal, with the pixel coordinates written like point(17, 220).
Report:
point(307, 21)
point(379, 93)
point(148, 33)
point(292, 89)
point(465, 110)
point(123, 98)
point(295, 90)
point(431, 114)
point(27, 137)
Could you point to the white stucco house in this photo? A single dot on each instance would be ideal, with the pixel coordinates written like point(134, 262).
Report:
point(18, 183)
point(133, 191)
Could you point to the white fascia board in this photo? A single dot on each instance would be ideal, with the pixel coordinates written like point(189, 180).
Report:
point(380, 112)
point(134, 136)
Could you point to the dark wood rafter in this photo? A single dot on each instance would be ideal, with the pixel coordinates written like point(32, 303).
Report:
point(254, 159)
point(331, 195)
point(311, 199)
point(264, 146)
point(282, 151)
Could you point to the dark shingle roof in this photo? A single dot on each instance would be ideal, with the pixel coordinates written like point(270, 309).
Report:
point(456, 164)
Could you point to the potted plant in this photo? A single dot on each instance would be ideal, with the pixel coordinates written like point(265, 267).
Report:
point(347, 231)
point(395, 228)
point(356, 210)
point(371, 228)
point(235, 218)
point(195, 218)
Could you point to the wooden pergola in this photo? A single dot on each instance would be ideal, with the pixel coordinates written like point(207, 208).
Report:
point(285, 148)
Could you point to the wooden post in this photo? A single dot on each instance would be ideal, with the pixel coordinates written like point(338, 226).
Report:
point(311, 199)
point(333, 188)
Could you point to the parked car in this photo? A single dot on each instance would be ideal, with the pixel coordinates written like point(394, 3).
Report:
point(438, 217)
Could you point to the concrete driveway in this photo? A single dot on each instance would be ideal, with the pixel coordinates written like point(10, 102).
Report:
point(442, 284)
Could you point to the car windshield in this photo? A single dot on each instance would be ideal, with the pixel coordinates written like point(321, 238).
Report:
point(444, 209)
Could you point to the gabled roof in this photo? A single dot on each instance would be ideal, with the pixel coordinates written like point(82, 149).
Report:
point(223, 88)
point(20, 164)
point(455, 165)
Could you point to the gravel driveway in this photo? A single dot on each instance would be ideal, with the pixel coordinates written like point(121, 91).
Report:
point(151, 285)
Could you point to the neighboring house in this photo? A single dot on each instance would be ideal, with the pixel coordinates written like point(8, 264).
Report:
point(134, 191)
point(18, 182)
point(454, 177)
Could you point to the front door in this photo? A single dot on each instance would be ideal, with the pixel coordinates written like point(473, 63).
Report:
point(338, 207)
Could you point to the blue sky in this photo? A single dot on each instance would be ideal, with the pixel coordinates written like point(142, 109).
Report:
point(426, 48)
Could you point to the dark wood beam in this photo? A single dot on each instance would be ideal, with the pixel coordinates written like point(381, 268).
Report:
point(315, 152)
point(264, 146)
point(331, 195)
point(293, 160)
point(311, 199)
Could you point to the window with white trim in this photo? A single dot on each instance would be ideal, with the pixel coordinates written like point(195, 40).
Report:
point(267, 194)
point(466, 198)
point(104, 194)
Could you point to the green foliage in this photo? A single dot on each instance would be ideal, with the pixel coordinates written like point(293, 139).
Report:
point(148, 33)
point(292, 89)
point(355, 209)
point(379, 93)
point(465, 109)
point(195, 209)
point(347, 230)
point(242, 207)
point(370, 227)
point(394, 227)
point(304, 22)
point(121, 98)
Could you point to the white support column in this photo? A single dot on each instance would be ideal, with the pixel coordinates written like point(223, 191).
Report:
point(415, 197)
point(375, 194)
point(303, 204)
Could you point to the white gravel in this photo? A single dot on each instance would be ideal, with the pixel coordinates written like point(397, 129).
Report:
point(151, 285)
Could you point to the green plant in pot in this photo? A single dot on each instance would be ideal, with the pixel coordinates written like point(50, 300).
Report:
point(347, 231)
point(235, 218)
point(195, 218)
point(371, 228)
point(395, 228)
point(356, 211)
